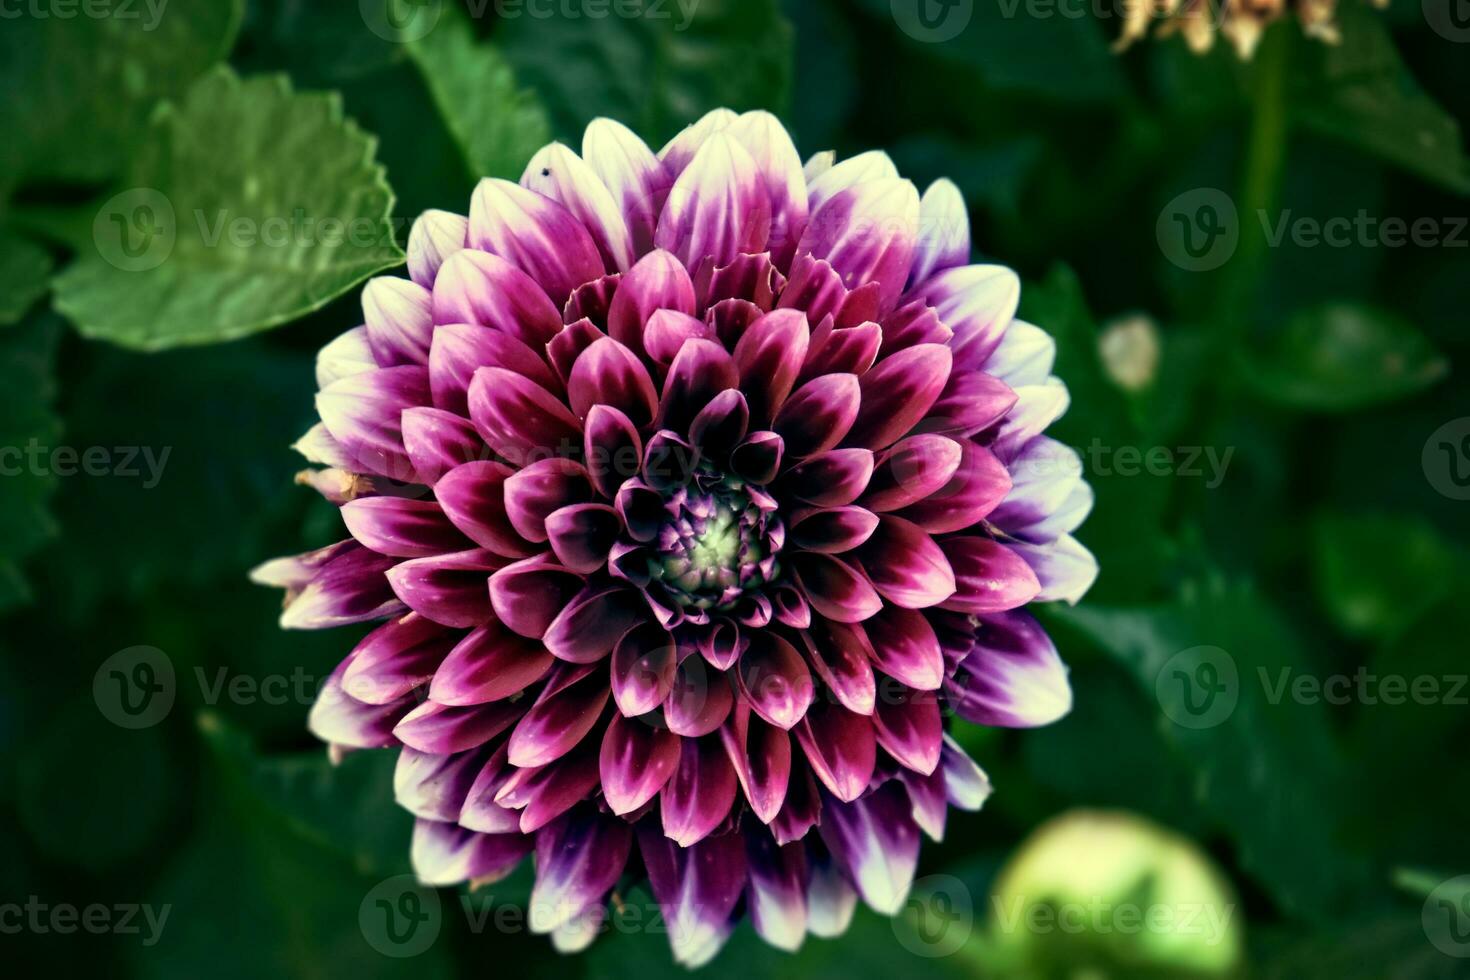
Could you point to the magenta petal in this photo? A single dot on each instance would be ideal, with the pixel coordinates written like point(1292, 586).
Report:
point(897, 393)
point(965, 784)
point(876, 841)
point(473, 497)
point(906, 566)
point(819, 414)
point(363, 413)
point(761, 756)
point(944, 231)
point(442, 728)
point(867, 233)
point(927, 803)
point(545, 793)
point(700, 700)
point(833, 530)
point(643, 666)
point(699, 796)
point(697, 890)
point(349, 587)
point(840, 747)
point(701, 370)
point(779, 166)
point(438, 441)
point(667, 331)
point(558, 173)
point(460, 349)
point(830, 479)
point(979, 484)
point(636, 179)
point(913, 324)
point(989, 577)
point(434, 237)
point(658, 281)
point(402, 527)
point(396, 658)
point(972, 401)
point(776, 894)
point(906, 648)
point(399, 321)
point(587, 629)
point(578, 860)
point(519, 419)
point(769, 356)
point(564, 349)
point(528, 595)
point(977, 302)
point(559, 720)
point(608, 373)
point(721, 425)
point(913, 469)
point(802, 807)
point(1013, 677)
point(910, 729)
point(636, 761)
point(814, 287)
point(842, 655)
point(757, 460)
point(449, 588)
point(489, 664)
point(447, 854)
point(774, 680)
point(340, 719)
point(434, 786)
point(717, 208)
point(611, 448)
point(537, 234)
point(547, 485)
point(846, 350)
point(582, 535)
point(483, 289)
point(835, 589)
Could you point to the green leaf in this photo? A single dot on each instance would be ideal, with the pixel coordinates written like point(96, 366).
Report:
point(1377, 574)
point(83, 86)
point(25, 268)
point(1360, 91)
point(654, 70)
point(1340, 357)
point(1388, 946)
point(1266, 768)
point(251, 206)
point(497, 125)
point(29, 431)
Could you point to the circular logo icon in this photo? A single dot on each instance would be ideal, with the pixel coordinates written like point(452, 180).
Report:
point(1450, 19)
point(401, 21)
point(938, 917)
point(1199, 687)
point(134, 688)
point(135, 231)
point(932, 21)
point(1446, 917)
point(1446, 459)
point(1199, 230)
point(400, 917)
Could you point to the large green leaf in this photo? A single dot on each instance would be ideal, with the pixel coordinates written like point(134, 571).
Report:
point(1267, 769)
point(81, 86)
point(1342, 356)
point(1377, 574)
point(24, 271)
point(251, 206)
point(29, 433)
point(497, 125)
point(653, 65)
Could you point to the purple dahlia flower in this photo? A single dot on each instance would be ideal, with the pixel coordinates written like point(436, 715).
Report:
point(694, 492)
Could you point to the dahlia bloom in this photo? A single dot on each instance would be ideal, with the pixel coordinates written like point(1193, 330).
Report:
point(694, 492)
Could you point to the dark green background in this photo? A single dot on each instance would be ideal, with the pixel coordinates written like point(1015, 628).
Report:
point(1327, 547)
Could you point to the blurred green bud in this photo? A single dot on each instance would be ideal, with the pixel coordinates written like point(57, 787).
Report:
point(1130, 350)
point(1097, 896)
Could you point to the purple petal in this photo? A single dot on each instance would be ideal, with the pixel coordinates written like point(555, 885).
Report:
point(449, 589)
point(612, 449)
point(666, 332)
point(434, 786)
point(340, 719)
point(717, 208)
point(831, 900)
point(636, 761)
point(876, 841)
point(1013, 678)
point(757, 460)
point(840, 748)
point(1025, 355)
point(776, 891)
point(977, 302)
point(438, 441)
point(350, 587)
point(528, 595)
point(774, 680)
point(533, 493)
point(483, 289)
point(399, 319)
point(867, 233)
point(681, 150)
point(700, 700)
point(700, 371)
point(1048, 495)
point(546, 793)
point(658, 282)
point(971, 402)
point(473, 497)
point(460, 349)
point(446, 854)
point(442, 728)
point(363, 413)
point(833, 530)
point(906, 566)
point(582, 535)
point(874, 165)
point(697, 889)
point(835, 589)
point(1064, 568)
point(769, 356)
point(819, 414)
point(519, 419)
point(965, 784)
point(944, 231)
point(779, 166)
point(536, 234)
point(802, 807)
point(636, 179)
point(699, 796)
point(559, 174)
point(989, 576)
point(578, 860)
point(589, 626)
point(815, 288)
point(396, 658)
point(979, 483)
point(488, 665)
point(434, 237)
point(643, 666)
point(848, 350)
point(897, 393)
point(913, 469)
point(558, 721)
point(909, 728)
point(830, 479)
point(402, 527)
point(761, 756)
point(842, 655)
point(608, 373)
point(721, 425)
point(906, 648)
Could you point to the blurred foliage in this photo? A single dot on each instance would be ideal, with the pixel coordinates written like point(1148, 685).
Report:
point(1274, 489)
